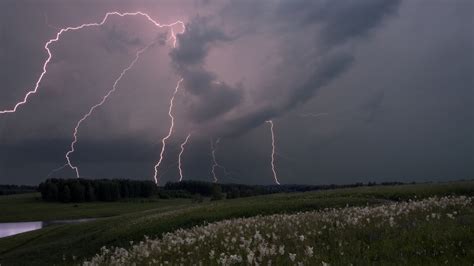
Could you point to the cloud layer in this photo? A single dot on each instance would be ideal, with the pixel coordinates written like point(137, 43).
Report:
point(376, 67)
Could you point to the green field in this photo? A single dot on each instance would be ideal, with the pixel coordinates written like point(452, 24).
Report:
point(131, 221)
point(30, 207)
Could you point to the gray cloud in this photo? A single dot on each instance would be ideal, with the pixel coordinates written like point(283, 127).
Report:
point(395, 78)
point(209, 97)
point(118, 40)
point(373, 106)
point(195, 43)
point(335, 25)
point(340, 20)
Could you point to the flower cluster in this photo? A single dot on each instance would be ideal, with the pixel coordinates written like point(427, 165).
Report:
point(307, 238)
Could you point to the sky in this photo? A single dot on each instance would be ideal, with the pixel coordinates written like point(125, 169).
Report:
point(358, 91)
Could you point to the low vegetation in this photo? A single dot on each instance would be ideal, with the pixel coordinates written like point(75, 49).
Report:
point(65, 244)
point(427, 231)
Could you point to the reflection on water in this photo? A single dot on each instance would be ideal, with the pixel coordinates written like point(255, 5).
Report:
point(9, 229)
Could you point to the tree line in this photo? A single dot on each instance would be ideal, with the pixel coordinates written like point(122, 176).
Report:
point(231, 191)
point(16, 189)
point(84, 190)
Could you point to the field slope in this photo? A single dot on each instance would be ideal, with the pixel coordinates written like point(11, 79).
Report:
point(66, 243)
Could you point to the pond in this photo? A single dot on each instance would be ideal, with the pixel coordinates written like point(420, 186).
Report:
point(10, 229)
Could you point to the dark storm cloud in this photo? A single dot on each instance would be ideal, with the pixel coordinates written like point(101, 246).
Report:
point(341, 20)
point(334, 23)
point(224, 98)
point(373, 106)
point(394, 76)
point(210, 97)
point(195, 43)
point(331, 66)
point(89, 151)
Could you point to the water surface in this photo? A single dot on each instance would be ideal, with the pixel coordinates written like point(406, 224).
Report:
point(10, 229)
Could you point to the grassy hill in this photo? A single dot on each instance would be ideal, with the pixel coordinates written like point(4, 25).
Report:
point(133, 220)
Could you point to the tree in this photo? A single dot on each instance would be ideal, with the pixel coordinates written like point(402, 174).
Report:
point(90, 193)
point(216, 192)
point(233, 193)
point(49, 191)
point(114, 191)
point(124, 191)
point(77, 192)
point(65, 194)
point(80, 190)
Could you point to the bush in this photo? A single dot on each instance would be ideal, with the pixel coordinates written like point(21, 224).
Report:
point(197, 198)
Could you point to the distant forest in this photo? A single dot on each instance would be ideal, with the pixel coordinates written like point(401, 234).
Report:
point(15, 189)
point(85, 190)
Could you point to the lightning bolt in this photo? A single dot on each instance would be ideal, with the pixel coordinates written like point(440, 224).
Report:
point(173, 36)
point(87, 25)
point(92, 109)
point(215, 165)
point(181, 156)
point(275, 177)
point(113, 89)
point(170, 132)
point(213, 153)
point(104, 99)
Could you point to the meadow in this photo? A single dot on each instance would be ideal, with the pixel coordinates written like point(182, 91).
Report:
point(30, 207)
point(413, 238)
point(406, 233)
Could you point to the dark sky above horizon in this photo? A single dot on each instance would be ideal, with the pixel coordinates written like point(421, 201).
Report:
point(366, 90)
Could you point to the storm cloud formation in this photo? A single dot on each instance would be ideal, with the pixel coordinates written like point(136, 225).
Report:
point(394, 78)
point(313, 42)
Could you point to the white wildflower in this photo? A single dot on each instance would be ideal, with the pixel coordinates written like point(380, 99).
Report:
point(281, 250)
point(292, 256)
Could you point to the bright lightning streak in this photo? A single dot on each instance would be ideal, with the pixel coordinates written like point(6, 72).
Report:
point(170, 132)
point(45, 65)
point(181, 156)
point(95, 24)
point(215, 164)
point(170, 114)
point(92, 109)
point(104, 99)
point(173, 37)
point(275, 177)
